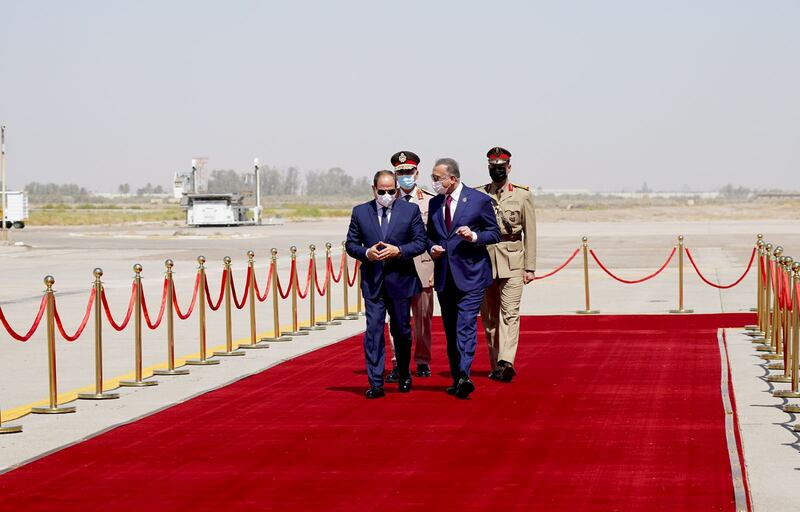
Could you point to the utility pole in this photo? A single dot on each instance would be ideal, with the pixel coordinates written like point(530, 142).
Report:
point(4, 236)
point(258, 191)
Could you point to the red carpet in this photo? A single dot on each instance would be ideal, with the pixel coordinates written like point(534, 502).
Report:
point(608, 413)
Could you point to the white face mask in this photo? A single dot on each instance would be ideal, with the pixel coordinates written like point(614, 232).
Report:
point(438, 187)
point(385, 200)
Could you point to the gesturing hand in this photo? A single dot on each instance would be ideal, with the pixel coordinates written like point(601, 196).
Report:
point(373, 253)
point(388, 252)
point(437, 251)
point(465, 233)
point(528, 277)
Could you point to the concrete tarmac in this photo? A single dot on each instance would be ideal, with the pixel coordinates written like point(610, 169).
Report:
point(630, 250)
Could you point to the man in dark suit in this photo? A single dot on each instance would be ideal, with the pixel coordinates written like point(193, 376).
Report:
point(385, 235)
point(461, 223)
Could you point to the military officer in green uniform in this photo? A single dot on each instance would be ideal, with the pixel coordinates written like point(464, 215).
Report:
point(513, 263)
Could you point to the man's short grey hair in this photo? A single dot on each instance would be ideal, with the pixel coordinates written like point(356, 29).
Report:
point(383, 173)
point(451, 165)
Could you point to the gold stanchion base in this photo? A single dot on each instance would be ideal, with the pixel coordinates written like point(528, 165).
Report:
point(294, 333)
point(681, 311)
point(587, 312)
point(138, 383)
point(332, 322)
point(202, 362)
point(171, 372)
point(755, 310)
point(771, 357)
point(764, 348)
point(775, 366)
point(53, 410)
point(755, 334)
point(98, 396)
point(763, 341)
point(779, 378)
point(315, 328)
point(795, 408)
point(751, 327)
point(229, 354)
point(348, 317)
point(13, 429)
point(277, 340)
point(786, 393)
point(260, 344)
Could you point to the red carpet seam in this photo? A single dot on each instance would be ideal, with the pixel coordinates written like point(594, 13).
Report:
point(738, 472)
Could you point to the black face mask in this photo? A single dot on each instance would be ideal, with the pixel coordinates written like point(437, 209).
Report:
point(498, 174)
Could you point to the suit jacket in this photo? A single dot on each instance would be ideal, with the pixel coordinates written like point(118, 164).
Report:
point(423, 262)
point(468, 262)
point(397, 276)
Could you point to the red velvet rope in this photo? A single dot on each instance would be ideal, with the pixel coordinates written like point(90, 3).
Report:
point(324, 288)
point(355, 274)
point(561, 267)
point(787, 293)
point(246, 289)
point(155, 325)
point(210, 302)
point(304, 293)
point(259, 297)
point(721, 287)
point(184, 316)
point(292, 280)
point(341, 270)
point(25, 337)
point(84, 321)
point(763, 268)
point(634, 281)
point(115, 325)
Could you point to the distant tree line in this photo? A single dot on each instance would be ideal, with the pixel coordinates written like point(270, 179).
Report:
point(334, 182)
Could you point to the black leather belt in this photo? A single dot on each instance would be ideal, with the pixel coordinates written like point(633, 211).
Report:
point(510, 238)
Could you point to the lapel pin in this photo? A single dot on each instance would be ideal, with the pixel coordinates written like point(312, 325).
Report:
point(464, 200)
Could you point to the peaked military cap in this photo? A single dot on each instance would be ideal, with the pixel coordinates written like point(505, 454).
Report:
point(498, 155)
point(404, 160)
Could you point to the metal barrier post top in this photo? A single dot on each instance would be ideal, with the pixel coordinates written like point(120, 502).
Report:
point(98, 343)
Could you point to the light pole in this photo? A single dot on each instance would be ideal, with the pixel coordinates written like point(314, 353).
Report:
point(258, 192)
point(3, 177)
point(194, 176)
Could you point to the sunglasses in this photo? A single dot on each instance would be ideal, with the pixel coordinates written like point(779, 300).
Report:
point(391, 192)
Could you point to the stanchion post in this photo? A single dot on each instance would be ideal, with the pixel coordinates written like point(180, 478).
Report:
point(276, 317)
point(251, 296)
point(681, 309)
point(759, 238)
point(294, 283)
point(53, 407)
point(328, 283)
point(137, 381)
point(170, 314)
point(345, 287)
point(588, 308)
point(229, 351)
point(761, 289)
point(781, 336)
point(770, 295)
point(98, 343)
point(794, 392)
point(313, 325)
point(201, 314)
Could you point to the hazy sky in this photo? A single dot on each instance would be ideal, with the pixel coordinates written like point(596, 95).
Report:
point(586, 94)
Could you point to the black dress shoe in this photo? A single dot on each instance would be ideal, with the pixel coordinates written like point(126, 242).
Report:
point(508, 372)
point(496, 374)
point(451, 390)
point(423, 370)
point(393, 376)
point(405, 385)
point(464, 388)
point(374, 393)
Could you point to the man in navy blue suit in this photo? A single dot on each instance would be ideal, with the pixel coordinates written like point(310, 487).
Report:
point(385, 235)
point(461, 223)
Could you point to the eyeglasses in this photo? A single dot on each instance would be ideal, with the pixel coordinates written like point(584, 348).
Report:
point(391, 192)
point(437, 178)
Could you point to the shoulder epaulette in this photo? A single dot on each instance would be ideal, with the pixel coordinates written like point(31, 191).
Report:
point(484, 187)
point(523, 187)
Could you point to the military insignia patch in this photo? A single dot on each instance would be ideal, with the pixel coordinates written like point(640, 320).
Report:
point(402, 158)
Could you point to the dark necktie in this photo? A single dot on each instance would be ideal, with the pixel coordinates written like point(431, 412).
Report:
point(407, 197)
point(384, 223)
point(448, 219)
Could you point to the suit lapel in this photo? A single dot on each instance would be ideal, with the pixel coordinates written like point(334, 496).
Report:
point(463, 202)
point(373, 219)
point(396, 216)
point(438, 216)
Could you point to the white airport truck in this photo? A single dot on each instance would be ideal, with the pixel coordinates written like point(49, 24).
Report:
point(17, 213)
